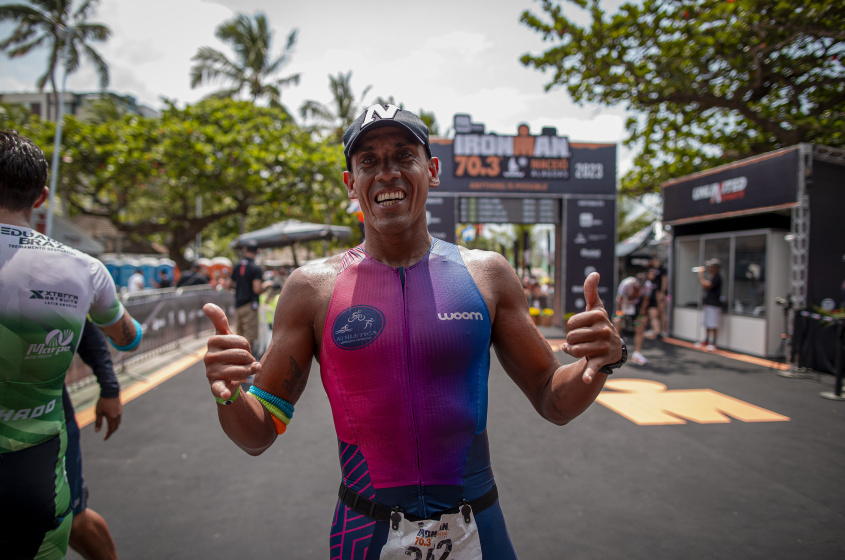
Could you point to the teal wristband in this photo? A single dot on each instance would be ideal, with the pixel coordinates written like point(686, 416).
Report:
point(231, 399)
point(139, 333)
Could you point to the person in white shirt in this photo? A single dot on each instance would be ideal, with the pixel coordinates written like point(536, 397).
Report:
point(136, 282)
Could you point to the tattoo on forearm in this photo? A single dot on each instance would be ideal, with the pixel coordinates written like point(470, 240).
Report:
point(294, 383)
point(127, 334)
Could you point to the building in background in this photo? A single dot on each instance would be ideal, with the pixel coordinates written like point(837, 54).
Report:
point(775, 222)
point(80, 105)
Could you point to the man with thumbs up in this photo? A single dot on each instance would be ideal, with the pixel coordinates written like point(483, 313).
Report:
point(402, 327)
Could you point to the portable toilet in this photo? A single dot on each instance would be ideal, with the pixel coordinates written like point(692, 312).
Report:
point(205, 266)
point(169, 268)
point(127, 269)
point(221, 268)
point(113, 266)
point(148, 268)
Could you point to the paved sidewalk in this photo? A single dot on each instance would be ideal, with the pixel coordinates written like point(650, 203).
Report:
point(171, 485)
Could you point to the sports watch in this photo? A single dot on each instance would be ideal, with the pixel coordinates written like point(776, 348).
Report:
point(607, 369)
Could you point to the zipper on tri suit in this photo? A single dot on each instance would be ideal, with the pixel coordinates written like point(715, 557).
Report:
point(407, 340)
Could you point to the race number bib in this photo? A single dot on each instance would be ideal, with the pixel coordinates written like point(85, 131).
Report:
point(629, 308)
point(449, 538)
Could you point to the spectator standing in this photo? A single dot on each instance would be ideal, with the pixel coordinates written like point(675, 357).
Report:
point(164, 280)
point(246, 279)
point(712, 284)
point(652, 307)
point(192, 277)
point(661, 283)
point(136, 281)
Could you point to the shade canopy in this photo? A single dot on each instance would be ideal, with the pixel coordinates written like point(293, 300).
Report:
point(636, 242)
point(289, 232)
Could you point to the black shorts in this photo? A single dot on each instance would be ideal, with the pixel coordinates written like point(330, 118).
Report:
point(35, 500)
point(73, 459)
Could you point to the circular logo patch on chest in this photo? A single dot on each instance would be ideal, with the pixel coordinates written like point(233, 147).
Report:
point(357, 326)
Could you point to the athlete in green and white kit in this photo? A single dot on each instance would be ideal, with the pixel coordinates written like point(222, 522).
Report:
point(46, 291)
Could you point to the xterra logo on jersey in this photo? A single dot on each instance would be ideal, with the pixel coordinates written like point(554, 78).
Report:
point(30, 237)
point(55, 343)
point(57, 299)
point(472, 316)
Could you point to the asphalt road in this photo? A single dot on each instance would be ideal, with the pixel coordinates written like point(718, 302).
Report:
point(171, 485)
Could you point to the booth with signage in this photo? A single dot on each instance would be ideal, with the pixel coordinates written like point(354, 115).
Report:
point(775, 222)
point(533, 179)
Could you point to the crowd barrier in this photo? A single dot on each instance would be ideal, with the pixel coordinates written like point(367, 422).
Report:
point(169, 317)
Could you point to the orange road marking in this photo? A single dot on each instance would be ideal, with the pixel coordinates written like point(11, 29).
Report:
point(556, 342)
point(732, 355)
point(137, 389)
point(650, 403)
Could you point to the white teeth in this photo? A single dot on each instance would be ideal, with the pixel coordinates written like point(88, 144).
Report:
point(383, 197)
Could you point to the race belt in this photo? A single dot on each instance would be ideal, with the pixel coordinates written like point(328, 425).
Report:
point(374, 510)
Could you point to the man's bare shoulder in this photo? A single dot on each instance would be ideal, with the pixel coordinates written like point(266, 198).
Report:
point(493, 275)
point(318, 277)
point(485, 262)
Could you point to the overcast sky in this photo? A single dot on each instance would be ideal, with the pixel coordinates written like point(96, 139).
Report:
point(444, 56)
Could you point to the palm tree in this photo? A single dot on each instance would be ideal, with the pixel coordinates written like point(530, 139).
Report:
point(345, 110)
point(253, 66)
point(65, 31)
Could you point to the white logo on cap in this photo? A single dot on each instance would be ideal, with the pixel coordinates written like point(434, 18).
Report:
point(388, 112)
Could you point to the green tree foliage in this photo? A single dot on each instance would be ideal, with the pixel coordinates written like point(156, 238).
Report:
point(104, 109)
point(254, 67)
point(249, 165)
point(632, 217)
point(51, 24)
point(708, 81)
point(14, 115)
point(344, 110)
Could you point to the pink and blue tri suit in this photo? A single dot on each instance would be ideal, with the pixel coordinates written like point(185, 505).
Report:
point(405, 359)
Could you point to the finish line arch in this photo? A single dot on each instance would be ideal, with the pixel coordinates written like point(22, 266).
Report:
point(487, 178)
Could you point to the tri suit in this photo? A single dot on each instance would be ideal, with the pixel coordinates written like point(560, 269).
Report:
point(404, 360)
point(46, 291)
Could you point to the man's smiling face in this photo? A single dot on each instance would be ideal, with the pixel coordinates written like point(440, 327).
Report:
point(390, 177)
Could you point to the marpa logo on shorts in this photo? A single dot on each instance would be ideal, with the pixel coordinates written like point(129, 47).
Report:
point(357, 326)
point(56, 342)
point(466, 315)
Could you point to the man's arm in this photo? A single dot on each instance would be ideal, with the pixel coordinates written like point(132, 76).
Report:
point(123, 332)
point(283, 371)
point(559, 393)
point(707, 284)
point(95, 352)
